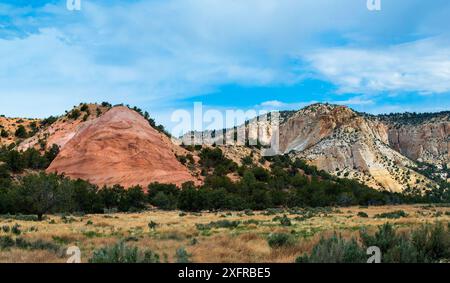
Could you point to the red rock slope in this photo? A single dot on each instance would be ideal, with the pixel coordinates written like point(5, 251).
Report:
point(120, 147)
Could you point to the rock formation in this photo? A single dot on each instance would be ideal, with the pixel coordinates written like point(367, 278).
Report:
point(120, 147)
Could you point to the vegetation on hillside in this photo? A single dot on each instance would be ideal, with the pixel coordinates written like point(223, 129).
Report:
point(288, 184)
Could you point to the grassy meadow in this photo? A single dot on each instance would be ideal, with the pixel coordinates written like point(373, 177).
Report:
point(219, 237)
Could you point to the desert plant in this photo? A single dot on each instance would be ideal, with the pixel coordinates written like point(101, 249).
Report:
point(218, 224)
point(16, 229)
point(6, 242)
point(182, 256)
point(285, 221)
point(121, 253)
point(335, 250)
point(392, 215)
point(152, 225)
point(278, 240)
point(432, 242)
point(36, 245)
point(363, 214)
point(385, 238)
point(193, 242)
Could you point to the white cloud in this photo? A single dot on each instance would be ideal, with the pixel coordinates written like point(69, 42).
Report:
point(279, 105)
point(151, 53)
point(273, 103)
point(421, 66)
point(355, 101)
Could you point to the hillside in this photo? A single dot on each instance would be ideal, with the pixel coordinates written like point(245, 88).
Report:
point(105, 145)
point(108, 145)
point(120, 147)
point(382, 152)
point(59, 130)
point(338, 140)
point(14, 130)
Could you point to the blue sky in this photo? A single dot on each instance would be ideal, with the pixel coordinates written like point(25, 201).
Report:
point(163, 55)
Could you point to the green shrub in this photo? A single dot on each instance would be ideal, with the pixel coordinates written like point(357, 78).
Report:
point(335, 250)
point(21, 243)
point(121, 253)
point(37, 245)
point(16, 229)
point(75, 114)
point(363, 214)
point(429, 243)
point(6, 229)
point(84, 107)
point(21, 132)
point(285, 221)
point(432, 242)
point(403, 252)
point(6, 242)
point(218, 224)
point(278, 240)
point(392, 215)
point(182, 256)
point(385, 238)
point(131, 239)
point(152, 225)
point(91, 234)
point(4, 133)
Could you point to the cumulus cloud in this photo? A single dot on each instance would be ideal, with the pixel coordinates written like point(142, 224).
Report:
point(153, 53)
point(422, 66)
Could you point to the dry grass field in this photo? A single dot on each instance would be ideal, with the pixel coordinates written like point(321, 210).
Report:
point(172, 230)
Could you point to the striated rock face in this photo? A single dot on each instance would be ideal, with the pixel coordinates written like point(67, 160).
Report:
point(120, 147)
point(344, 143)
point(428, 142)
point(380, 151)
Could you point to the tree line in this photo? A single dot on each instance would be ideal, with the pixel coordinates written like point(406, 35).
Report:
point(288, 183)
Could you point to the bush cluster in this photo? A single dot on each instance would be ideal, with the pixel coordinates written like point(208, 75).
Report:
point(122, 253)
point(289, 183)
point(42, 193)
point(16, 161)
point(429, 243)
